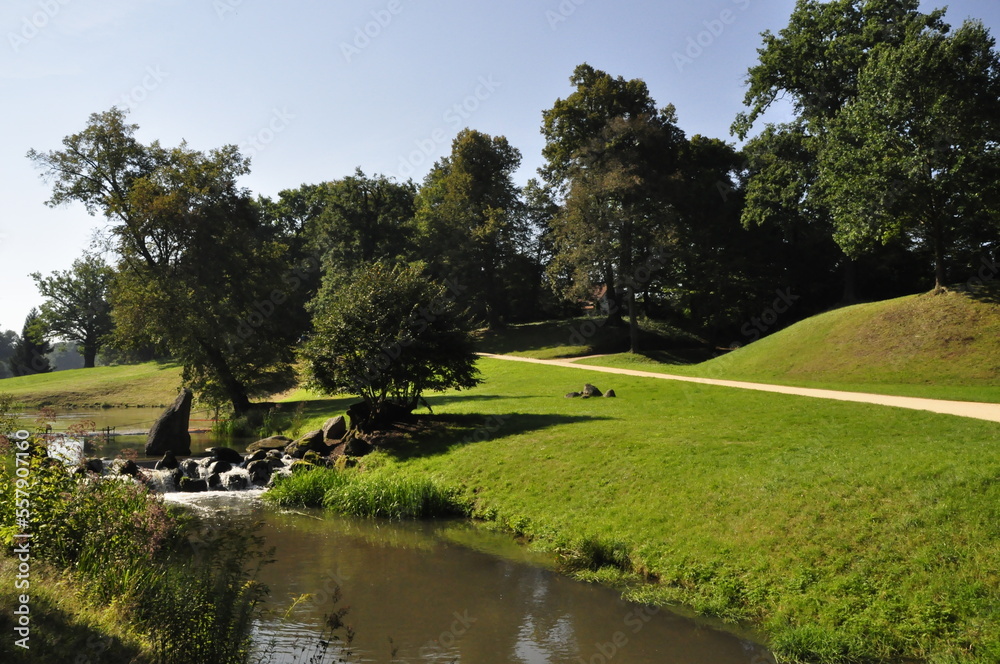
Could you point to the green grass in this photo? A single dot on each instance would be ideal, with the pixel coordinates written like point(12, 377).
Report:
point(150, 384)
point(576, 337)
point(845, 532)
point(944, 346)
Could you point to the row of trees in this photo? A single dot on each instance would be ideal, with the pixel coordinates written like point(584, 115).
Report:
point(885, 180)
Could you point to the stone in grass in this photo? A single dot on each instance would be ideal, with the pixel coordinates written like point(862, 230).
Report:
point(610, 393)
point(591, 391)
point(573, 395)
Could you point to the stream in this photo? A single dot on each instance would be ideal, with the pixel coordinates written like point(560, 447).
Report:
point(437, 591)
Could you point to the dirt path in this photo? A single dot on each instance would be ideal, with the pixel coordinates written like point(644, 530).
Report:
point(979, 411)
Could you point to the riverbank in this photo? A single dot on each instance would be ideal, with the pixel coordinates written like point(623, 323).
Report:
point(845, 532)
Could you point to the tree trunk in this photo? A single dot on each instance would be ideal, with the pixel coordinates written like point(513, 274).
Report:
point(633, 332)
point(89, 355)
point(939, 271)
point(611, 295)
point(850, 295)
point(235, 390)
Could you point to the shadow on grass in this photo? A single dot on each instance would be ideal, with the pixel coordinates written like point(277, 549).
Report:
point(431, 435)
point(56, 636)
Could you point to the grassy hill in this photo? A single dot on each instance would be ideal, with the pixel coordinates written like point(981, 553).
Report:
point(933, 345)
point(150, 384)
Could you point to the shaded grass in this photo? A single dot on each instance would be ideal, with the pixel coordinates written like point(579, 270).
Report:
point(150, 385)
point(846, 532)
point(944, 346)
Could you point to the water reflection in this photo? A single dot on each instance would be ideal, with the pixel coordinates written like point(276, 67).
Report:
point(441, 600)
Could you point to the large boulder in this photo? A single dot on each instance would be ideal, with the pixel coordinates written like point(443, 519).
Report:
point(267, 444)
point(260, 472)
point(357, 446)
point(591, 391)
point(314, 441)
point(226, 454)
point(170, 432)
point(335, 428)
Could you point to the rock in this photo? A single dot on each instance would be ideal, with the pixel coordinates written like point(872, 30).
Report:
point(335, 428)
point(168, 462)
point(225, 454)
point(357, 446)
point(573, 395)
point(129, 468)
point(219, 467)
point(275, 462)
point(610, 394)
point(256, 456)
point(267, 444)
point(275, 454)
point(214, 482)
point(591, 391)
point(190, 468)
point(314, 441)
point(260, 471)
point(170, 431)
point(193, 486)
point(95, 466)
point(236, 482)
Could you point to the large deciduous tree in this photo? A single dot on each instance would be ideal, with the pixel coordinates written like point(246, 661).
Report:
point(76, 304)
point(613, 156)
point(199, 270)
point(916, 153)
point(472, 226)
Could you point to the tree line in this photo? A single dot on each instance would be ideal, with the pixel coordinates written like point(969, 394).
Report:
point(884, 183)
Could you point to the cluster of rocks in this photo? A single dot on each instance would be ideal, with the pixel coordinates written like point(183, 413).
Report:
point(589, 391)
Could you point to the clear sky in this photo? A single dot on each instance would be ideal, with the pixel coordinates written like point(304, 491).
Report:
point(312, 90)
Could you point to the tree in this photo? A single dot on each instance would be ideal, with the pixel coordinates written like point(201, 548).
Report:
point(916, 153)
point(389, 335)
point(614, 157)
point(76, 306)
point(29, 356)
point(815, 63)
point(8, 342)
point(473, 230)
point(200, 270)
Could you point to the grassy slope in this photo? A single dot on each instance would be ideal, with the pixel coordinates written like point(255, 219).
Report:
point(149, 384)
point(847, 532)
point(939, 346)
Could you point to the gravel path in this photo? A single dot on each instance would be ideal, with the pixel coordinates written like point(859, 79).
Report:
point(975, 410)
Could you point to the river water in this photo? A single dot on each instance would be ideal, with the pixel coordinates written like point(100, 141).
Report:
point(447, 591)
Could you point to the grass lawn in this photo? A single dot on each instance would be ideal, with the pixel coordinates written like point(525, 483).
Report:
point(844, 532)
point(150, 385)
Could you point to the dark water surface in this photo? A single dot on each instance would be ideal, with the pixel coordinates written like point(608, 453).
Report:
point(451, 592)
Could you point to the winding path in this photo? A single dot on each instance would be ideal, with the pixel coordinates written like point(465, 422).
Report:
point(975, 410)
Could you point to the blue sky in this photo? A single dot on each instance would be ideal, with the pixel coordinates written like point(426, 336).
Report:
point(312, 90)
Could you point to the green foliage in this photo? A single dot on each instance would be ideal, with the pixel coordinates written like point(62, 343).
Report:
point(201, 271)
point(77, 306)
point(304, 489)
point(473, 231)
point(29, 356)
point(389, 335)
